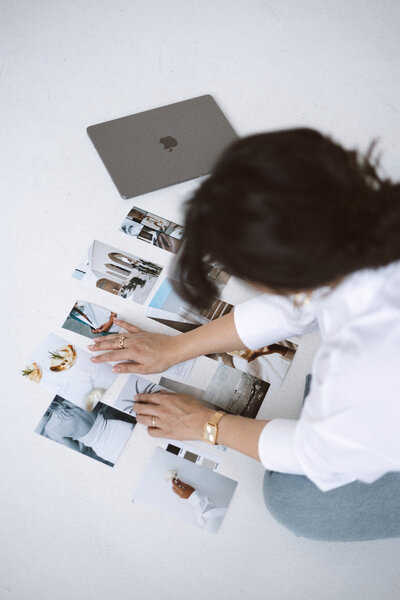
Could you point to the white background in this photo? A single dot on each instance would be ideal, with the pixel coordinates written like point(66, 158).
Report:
point(68, 527)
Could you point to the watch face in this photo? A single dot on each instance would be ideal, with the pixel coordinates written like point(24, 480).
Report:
point(210, 433)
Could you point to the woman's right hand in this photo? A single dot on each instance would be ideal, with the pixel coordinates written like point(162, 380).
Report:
point(150, 352)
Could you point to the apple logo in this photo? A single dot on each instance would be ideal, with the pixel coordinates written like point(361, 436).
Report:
point(168, 142)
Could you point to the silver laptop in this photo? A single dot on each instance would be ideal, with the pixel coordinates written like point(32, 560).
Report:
point(163, 146)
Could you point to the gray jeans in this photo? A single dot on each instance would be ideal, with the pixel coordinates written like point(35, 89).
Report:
point(354, 512)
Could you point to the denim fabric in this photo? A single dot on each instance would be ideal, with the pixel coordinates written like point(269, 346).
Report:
point(354, 512)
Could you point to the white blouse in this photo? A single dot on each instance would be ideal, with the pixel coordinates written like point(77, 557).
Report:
point(349, 428)
point(107, 437)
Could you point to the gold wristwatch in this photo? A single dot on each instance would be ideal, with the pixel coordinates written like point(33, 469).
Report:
point(210, 430)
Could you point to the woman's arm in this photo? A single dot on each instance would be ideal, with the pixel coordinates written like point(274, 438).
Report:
point(155, 352)
point(181, 417)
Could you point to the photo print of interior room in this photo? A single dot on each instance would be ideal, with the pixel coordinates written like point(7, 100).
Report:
point(118, 272)
point(155, 230)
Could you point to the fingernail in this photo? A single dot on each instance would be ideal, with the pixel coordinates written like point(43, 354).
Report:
point(91, 347)
point(116, 370)
point(94, 358)
point(136, 396)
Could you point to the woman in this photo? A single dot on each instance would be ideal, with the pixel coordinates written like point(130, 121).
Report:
point(315, 229)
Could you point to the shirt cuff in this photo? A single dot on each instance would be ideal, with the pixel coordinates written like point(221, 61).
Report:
point(276, 447)
point(269, 318)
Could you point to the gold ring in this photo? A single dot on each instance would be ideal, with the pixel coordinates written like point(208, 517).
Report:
point(153, 421)
point(121, 342)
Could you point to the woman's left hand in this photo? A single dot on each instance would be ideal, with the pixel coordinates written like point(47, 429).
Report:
point(173, 416)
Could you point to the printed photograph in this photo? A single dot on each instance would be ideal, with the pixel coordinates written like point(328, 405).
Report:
point(155, 222)
point(167, 305)
point(136, 214)
point(90, 320)
point(101, 433)
point(167, 242)
point(135, 385)
point(118, 272)
point(183, 490)
point(270, 363)
point(229, 390)
point(153, 229)
point(235, 392)
point(131, 227)
point(175, 230)
point(68, 372)
point(182, 388)
point(215, 273)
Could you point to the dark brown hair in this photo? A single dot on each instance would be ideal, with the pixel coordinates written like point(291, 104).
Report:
point(291, 210)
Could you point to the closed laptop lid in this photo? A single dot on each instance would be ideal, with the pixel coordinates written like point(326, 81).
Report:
point(163, 146)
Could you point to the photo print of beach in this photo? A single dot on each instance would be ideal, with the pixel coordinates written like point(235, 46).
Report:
point(118, 272)
point(229, 389)
point(186, 491)
point(68, 371)
point(153, 229)
point(100, 434)
point(91, 320)
point(270, 363)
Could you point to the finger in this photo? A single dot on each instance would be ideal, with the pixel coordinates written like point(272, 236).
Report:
point(155, 398)
point(130, 367)
point(148, 421)
point(142, 408)
point(106, 343)
point(112, 356)
point(156, 432)
point(128, 326)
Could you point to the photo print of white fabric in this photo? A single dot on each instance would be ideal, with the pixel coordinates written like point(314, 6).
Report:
point(100, 434)
point(186, 491)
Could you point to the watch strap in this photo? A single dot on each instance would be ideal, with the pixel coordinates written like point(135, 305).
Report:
point(210, 432)
point(217, 416)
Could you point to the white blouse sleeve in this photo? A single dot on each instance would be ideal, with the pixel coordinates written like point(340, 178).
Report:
point(348, 429)
point(271, 318)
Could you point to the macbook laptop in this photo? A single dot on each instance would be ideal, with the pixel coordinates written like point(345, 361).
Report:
point(162, 146)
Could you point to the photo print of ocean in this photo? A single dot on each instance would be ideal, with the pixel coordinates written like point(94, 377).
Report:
point(229, 389)
point(118, 272)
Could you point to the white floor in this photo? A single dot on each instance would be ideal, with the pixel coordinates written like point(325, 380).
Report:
point(68, 528)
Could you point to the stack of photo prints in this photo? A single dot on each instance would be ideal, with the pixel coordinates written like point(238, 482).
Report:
point(180, 480)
